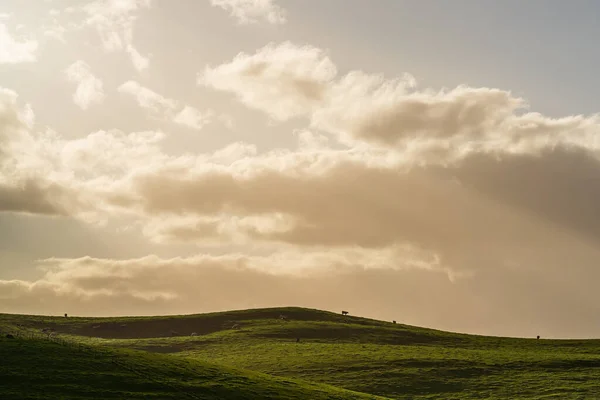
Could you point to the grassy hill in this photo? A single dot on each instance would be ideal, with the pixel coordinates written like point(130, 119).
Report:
point(358, 354)
point(41, 369)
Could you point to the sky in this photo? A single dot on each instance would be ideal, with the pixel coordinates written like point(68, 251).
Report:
point(434, 163)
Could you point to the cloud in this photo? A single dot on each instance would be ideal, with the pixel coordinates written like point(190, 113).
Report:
point(139, 62)
point(56, 29)
point(339, 199)
point(114, 21)
point(13, 51)
point(30, 198)
point(332, 199)
point(202, 279)
point(283, 81)
point(335, 281)
point(147, 98)
point(288, 80)
point(56, 32)
point(162, 107)
point(21, 190)
point(43, 173)
point(192, 118)
point(250, 11)
point(89, 88)
point(367, 197)
point(460, 191)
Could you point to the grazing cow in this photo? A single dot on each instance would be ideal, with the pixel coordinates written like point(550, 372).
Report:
point(194, 334)
point(235, 326)
point(538, 337)
point(393, 322)
point(66, 315)
point(344, 312)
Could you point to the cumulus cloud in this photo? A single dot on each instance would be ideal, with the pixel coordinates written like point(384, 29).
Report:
point(21, 190)
point(147, 98)
point(288, 80)
point(193, 118)
point(89, 88)
point(114, 21)
point(284, 81)
point(251, 11)
point(162, 107)
point(14, 51)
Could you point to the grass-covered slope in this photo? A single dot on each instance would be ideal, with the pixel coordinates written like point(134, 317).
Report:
point(41, 369)
point(359, 354)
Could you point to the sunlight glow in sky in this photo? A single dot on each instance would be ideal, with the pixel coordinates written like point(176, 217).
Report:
point(436, 163)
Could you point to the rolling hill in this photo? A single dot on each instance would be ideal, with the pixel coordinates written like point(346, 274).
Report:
point(346, 352)
point(42, 369)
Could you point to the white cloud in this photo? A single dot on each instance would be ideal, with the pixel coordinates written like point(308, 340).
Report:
point(139, 62)
point(250, 11)
point(114, 20)
point(162, 107)
point(193, 118)
point(284, 80)
point(13, 51)
point(151, 279)
point(288, 80)
point(317, 279)
point(89, 88)
point(56, 32)
point(147, 98)
point(24, 186)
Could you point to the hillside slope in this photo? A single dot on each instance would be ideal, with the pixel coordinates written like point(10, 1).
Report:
point(359, 354)
point(41, 369)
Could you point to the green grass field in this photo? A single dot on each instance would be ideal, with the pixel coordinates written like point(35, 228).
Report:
point(255, 354)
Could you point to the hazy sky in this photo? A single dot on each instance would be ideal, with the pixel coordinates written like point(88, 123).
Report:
point(432, 162)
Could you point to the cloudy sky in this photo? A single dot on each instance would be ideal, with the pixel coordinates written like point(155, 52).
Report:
point(436, 163)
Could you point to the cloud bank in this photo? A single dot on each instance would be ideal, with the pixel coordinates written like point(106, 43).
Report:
point(463, 192)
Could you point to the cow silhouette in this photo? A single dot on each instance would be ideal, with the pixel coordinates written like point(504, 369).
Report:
point(344, 312)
